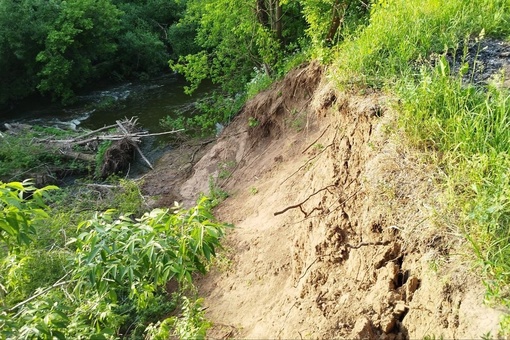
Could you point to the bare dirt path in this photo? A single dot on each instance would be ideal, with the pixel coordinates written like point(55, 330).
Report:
point(335, 233)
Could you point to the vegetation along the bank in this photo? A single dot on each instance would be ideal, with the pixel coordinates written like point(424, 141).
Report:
point(70, 273)
point(90, 271)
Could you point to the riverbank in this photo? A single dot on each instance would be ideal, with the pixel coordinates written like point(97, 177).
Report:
point(337, 223)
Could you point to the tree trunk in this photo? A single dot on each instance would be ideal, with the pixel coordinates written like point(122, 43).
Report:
point(335, 20)
point(278, 21)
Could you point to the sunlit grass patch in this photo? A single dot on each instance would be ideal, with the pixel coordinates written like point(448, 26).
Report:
point(407, 48)
point(401, 33)
point(470, 127)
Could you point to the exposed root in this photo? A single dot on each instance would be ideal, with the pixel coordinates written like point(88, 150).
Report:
point(300, 205)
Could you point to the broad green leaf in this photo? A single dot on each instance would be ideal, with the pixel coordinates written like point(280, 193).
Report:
point(16, 185)
point(93, 252)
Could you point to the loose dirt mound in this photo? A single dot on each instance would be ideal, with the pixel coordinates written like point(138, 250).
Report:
point(335, 231)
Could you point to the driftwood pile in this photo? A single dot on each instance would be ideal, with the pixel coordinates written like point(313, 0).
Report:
point(125, 137)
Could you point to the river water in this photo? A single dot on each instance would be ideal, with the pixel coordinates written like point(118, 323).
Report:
point(149, 100)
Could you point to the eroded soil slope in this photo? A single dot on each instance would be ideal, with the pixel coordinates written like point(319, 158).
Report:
point(335, 225)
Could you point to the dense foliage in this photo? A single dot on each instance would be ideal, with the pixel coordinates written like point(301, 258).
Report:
point(57, 47)
point(107, 281)
point(238, 39)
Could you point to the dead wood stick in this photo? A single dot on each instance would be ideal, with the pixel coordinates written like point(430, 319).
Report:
point(209, 141)
point(162, 133)
point(328, 209)
point(306, 271)
point(105, 186)
point(311, 159)
point(135, 137)
point(44, 291)
point(315, 141)
point(78, 140)
point(300, 205)
point(194, 154)
point(135, 145)
point(78, 155)
point(95, 131)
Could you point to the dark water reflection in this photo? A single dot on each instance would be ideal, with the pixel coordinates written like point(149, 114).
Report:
point(149, 100)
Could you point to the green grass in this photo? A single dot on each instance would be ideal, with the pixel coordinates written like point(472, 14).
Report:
point(470, 128)
point(402, 33)
point(404, 50)
point(21, 155)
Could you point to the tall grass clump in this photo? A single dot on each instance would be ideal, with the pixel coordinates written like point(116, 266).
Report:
point(469, 126)
point(401, 33)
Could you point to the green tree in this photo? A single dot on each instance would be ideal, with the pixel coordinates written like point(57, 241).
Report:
point(143, 44)
point(234, 37)
point(23, 28)
point(80, 42)
point(326, 19)
point(56, 47)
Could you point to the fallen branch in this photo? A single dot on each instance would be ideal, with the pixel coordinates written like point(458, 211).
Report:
point(44, 291)
point(328, 209)
point(306, 271)
point(124, 135)
point(96, 131)
point(300, 205)
point(132, 136)
point(103, 186)
point(162, 133)
point(315, 141)
point(78, 155)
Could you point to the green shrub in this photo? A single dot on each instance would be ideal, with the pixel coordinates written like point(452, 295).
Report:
point(216, 109)
point(116, 268)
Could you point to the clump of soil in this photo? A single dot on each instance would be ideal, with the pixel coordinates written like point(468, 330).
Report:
point(335, 224)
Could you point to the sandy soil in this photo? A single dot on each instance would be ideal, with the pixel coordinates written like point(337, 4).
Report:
point(336, 232)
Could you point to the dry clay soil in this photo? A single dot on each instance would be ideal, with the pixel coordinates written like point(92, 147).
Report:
point(336, 232)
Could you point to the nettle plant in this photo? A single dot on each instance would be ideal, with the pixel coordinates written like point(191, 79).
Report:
point(18, 216)
point(116, 267)
point(144, 254)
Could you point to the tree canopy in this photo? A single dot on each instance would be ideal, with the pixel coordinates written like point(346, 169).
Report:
point(234, 36)
point(56, 47)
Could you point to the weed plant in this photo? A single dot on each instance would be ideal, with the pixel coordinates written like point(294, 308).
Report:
point(109, 276)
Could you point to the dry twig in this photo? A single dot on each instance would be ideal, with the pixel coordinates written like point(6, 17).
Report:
point(300, 205)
